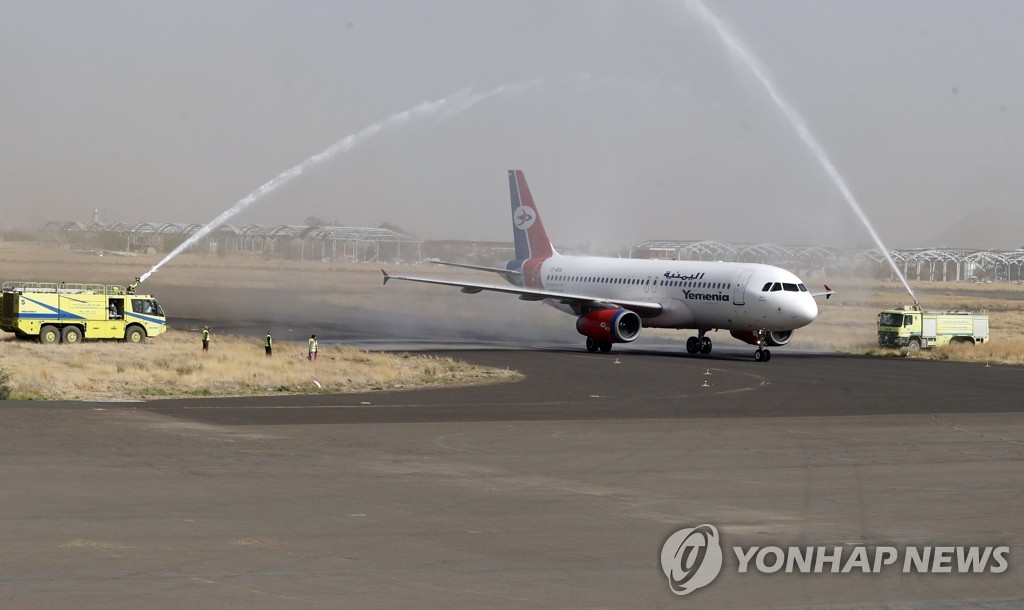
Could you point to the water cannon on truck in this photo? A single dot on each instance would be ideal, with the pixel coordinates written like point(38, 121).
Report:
point(911, 328)
point(53, 312)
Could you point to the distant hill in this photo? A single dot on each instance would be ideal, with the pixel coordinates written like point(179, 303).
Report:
point(987, 229)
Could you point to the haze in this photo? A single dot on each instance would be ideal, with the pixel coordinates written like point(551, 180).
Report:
point(643, 127)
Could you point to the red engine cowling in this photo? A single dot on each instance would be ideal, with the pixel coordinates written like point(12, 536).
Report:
point(774, 339)
point(610, 325)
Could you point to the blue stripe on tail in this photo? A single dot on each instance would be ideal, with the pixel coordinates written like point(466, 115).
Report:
point(522, 240)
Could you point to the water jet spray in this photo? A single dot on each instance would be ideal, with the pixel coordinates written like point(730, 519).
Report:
point(445, 107)
point(702, 14)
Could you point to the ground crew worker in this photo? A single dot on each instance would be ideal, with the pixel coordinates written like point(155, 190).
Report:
point(268, 343)
point(312, 348)
point(206, 338)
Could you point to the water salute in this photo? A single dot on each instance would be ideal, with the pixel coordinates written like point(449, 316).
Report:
point(283, 324)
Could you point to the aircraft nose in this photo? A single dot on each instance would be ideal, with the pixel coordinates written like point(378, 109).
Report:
point(806, 310)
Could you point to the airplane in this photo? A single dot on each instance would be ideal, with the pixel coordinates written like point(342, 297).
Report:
point(613, 298)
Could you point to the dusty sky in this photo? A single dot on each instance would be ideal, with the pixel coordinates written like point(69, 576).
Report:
point(643, 127)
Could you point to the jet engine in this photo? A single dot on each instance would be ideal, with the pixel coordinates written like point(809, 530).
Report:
point(610, 325)
point(774, 339)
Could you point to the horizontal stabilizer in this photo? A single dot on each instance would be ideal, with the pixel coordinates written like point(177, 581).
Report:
point(500, 270)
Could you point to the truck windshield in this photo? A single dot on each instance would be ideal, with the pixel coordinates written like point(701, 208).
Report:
point(890, 319)
point(147, 307)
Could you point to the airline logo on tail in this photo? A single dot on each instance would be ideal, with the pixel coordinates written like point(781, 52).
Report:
point(530, 237)
point(523, 217)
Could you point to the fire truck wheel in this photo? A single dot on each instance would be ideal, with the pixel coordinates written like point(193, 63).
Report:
point(49, 335)
point(71, 335)
point(135, 334)
point(914, 346)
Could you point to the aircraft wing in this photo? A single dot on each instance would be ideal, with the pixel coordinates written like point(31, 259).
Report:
point(576, 301)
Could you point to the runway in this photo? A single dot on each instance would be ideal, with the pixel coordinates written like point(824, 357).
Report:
point(645, 384)
point(556, 491)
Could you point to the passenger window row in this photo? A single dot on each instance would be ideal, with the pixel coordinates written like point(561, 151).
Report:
point(638, 282)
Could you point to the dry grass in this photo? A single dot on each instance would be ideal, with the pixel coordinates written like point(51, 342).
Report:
point(997, 352)
point(173, 365)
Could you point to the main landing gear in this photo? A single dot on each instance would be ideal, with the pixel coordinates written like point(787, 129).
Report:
point(762, 354)
point(594, 345)
point(700, 343)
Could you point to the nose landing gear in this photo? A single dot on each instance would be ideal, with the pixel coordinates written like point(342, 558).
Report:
point(762, 354)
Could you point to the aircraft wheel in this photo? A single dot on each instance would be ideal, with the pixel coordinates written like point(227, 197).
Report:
point(71, 335)
point(767, 355)
point(49, 334)
point(606, 347)
point(705, 346)
point(692, 345)
point(758, 355)
point(592, 345)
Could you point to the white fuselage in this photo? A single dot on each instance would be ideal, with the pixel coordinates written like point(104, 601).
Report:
point(692, 294)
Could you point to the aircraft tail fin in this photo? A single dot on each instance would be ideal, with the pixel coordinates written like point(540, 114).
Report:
point(530, 237)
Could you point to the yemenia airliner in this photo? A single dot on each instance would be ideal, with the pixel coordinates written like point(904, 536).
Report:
point(613, 298)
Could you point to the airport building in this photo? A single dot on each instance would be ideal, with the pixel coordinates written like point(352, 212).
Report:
point(367, 244)
point(926, 264)
point(355, 244)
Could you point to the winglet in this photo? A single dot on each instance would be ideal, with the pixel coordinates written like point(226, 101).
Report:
point(386, 277)
point(827, 294)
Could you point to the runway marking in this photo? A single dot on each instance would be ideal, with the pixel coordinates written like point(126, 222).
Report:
point(436, 405)
point(978, 434)
point(287, 407)
point(249, 590)
point(109, 548)
point(761, 381)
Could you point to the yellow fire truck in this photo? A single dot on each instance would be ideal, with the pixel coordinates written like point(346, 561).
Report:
point(68, 313)
point(911, 328)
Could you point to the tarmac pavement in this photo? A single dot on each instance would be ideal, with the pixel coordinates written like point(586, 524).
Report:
point(556, 491)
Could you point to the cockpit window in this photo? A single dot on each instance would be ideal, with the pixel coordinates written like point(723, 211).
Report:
point(776, 287)
point(802, 287)
point(790, 288)
point(767, 287)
